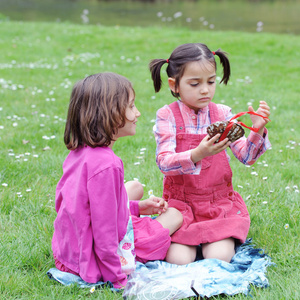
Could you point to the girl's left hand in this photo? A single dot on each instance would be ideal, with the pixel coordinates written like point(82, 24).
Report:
point(259, 122)
point(153, 206)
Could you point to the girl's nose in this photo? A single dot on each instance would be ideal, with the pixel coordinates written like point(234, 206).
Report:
point(138, 114)
point(204, 89)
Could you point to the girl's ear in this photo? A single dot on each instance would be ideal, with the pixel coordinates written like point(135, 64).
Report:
point(171, 82)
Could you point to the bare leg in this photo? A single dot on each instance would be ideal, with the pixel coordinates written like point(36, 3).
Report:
point(135, 190)
point(181, 254)
point(223, 250)
point(172, 219)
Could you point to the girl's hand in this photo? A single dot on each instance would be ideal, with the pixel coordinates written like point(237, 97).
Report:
point(259, 122)
point(152, 206)
point(208, 147)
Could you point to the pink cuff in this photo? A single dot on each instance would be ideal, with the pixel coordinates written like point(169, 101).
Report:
point(134, 207)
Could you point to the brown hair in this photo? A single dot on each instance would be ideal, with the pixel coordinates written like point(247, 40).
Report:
point(96, 110)
point(180, 57)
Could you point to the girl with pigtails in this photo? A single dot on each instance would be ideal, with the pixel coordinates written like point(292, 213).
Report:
point(197, 174)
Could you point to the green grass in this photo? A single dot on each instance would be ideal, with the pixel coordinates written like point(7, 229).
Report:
point(39, 64)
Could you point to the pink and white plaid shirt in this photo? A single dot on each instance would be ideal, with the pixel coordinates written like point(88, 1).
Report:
point(246, 150)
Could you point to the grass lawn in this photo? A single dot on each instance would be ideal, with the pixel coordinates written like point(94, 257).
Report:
point(39, 64)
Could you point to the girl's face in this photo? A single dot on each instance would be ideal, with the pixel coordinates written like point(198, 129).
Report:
point(197, 85)
point(131, 114)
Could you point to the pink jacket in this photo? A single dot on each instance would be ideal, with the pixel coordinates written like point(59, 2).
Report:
point(92, 214)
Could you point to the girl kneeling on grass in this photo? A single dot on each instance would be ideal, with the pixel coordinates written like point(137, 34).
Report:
point(198, 177)
point(98, 231)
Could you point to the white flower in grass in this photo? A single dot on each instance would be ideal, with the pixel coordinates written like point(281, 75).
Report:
point(92, 290)
point(248, 197)
point(4, 184)
point(150, 192)
point(137, 163)
point(265, 202)
point(1, 127)
point(240, 186)
point(135, 179)
point(286, 226)
point(177, 15)
point(28, 190)
point(15, 124)
point(297, 191)
point(287, 188)
point(265, 178)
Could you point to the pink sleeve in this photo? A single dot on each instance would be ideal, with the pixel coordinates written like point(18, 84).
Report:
point(168, 161)
point(105, 200)
point(248, 150)
point(134, 207)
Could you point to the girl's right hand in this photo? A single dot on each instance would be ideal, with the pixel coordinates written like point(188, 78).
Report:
point(208, 147)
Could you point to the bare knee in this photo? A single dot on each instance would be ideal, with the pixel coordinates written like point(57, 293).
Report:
point(176, 215)
point(181, 254)
point(223, 250)
point(134, 189)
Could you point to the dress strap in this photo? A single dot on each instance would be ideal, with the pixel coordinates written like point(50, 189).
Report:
point(213, 112)
point(180, 128)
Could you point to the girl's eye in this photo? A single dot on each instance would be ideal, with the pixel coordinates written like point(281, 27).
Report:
point(194, 84)
point(211, 82)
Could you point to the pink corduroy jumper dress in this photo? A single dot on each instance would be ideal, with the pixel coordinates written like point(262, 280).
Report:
point(211, 209)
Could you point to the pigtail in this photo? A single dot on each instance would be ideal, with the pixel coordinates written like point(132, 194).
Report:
point(155, 68)
point(225, 64)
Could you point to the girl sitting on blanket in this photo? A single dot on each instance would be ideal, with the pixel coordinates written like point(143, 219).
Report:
point(98, 231)
point(198, 178)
